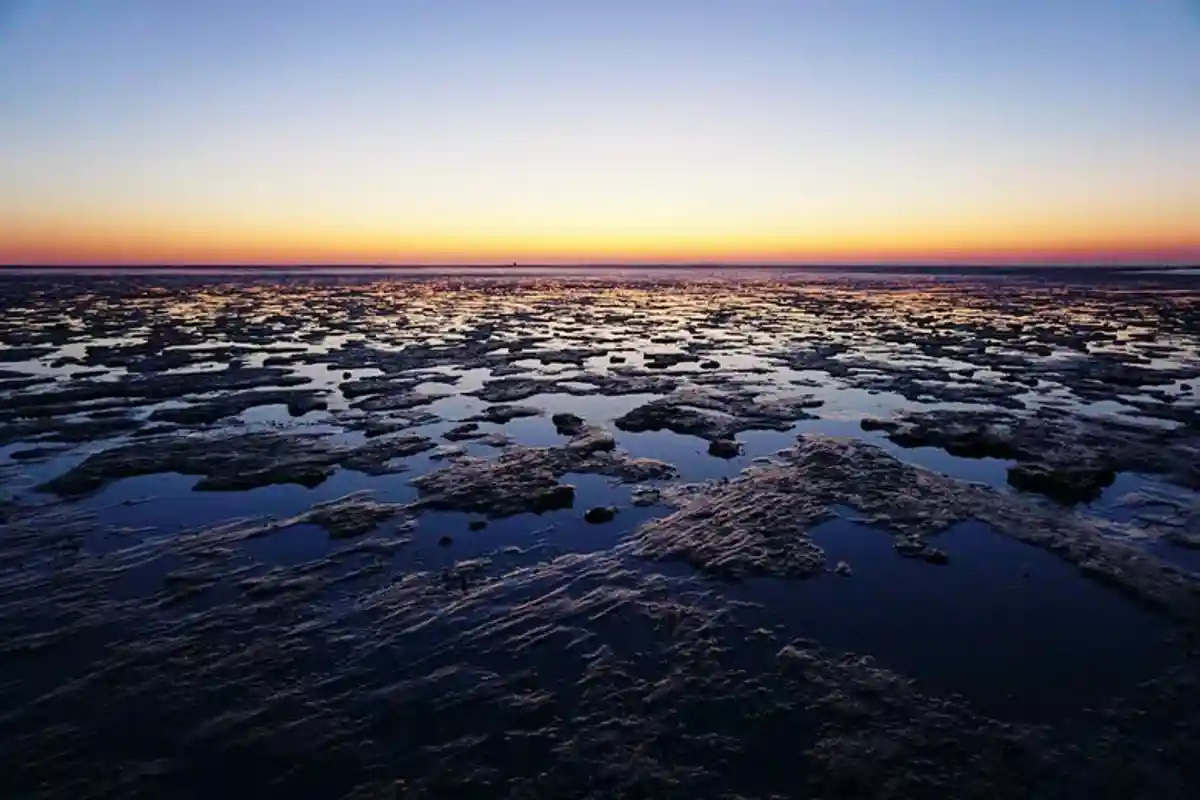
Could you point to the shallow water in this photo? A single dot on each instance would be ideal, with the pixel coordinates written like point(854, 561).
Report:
point(1014, 629)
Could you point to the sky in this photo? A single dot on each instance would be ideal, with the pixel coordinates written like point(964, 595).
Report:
point(614, 131)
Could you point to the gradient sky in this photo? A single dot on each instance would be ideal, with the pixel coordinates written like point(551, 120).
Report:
point(410, 131)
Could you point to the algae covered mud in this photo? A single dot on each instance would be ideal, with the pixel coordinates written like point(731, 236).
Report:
point(647, 535)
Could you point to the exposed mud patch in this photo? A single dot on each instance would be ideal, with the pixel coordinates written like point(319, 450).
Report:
point(523, 479)
point(1067, 457)
point(237, 462)
point(758, 524)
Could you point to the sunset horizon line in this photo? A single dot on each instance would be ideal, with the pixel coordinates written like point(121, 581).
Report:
point(658, 264)
point(904, 247)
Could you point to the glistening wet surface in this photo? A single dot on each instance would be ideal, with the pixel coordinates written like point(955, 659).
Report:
point(599, 535)
point(1013, 628)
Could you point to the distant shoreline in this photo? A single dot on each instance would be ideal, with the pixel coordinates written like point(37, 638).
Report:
point(527, 269)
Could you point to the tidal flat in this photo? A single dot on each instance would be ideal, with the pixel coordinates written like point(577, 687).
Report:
point(657, 534)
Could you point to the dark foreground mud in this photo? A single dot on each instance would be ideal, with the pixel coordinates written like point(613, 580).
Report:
point(1064, 456)
point(592, 539)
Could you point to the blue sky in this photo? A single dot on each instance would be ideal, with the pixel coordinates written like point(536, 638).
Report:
point(731, 129)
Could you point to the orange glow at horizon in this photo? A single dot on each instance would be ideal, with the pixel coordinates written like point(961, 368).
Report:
point(48, 244)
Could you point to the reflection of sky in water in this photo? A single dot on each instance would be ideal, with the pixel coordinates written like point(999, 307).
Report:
point(1014, 628)
point(167, 502)
point(553, 532)
point(1187, 558)
point(1144, 502)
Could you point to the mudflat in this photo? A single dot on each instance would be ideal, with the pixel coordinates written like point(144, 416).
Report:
point(745, 535)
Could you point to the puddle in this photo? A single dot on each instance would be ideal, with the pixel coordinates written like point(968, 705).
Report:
point(689, 454)
point(550, 533)
point(1155, 511)
point(296, 544)
point(593, 408)
point(1187, 558)
point(1014, 629)
point(166, 503)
